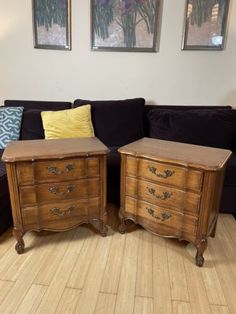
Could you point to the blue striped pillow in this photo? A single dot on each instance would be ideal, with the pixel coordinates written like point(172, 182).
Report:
point(10, 124)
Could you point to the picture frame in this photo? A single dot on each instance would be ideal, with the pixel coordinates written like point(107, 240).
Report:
point(205, 24)
point(126, 25)
point(52, 24)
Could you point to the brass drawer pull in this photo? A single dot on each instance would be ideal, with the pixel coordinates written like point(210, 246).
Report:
point(55, 190)
point(56, 211)
point(167, 173)
point(163, 197)
point(55, 170)
point(162, 217)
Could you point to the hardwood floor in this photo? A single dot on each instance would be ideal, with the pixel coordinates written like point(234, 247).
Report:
point(81, 272)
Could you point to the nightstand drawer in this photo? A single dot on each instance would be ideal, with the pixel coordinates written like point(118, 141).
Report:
point(185, 202)
point(57, 170)
point(161, 220)
point(61, 215)
point(51, 192)
point(164, 173)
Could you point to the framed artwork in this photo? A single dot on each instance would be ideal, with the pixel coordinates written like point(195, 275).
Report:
point(125, 25)
point(52, 24)
point(205, 24)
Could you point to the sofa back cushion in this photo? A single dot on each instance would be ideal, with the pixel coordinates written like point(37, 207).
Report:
point(216, 128)
point(32, 127)
point(148, 108)
point(116, 122)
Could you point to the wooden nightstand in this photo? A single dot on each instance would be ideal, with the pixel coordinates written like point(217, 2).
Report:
point(56, 184)
point(172, 189)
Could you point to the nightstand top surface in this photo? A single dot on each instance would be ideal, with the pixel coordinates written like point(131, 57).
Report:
point(52, 149)
point(202, 157)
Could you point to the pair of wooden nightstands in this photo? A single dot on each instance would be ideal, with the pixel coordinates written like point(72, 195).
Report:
point(171, 189)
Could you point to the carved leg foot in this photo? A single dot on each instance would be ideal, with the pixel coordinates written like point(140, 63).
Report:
point(20, 245)
point(201, 246)
point(199, 260)
point(103, 229)
point(122, 227)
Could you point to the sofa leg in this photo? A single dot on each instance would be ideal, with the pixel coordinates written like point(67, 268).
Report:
point(20, 245)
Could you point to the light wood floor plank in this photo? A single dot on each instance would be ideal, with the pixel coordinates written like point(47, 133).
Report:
point(6, 242)
point(144, 284)
point(80, 271)
point(32, 299)
point(143, 305)
point(230, 225)
point(179, 307)
point(126, 289)
point(178, 282)
point(215, 293)
point(196, 288)
point(27, 275)
point(69, 301)
point(105, 304)
point(90, 292)
point(51, 264)
point(119, 264)
point(225, 265)
point(161, 280)
point(5, 287)
point(218, 309)
point(11, 263)
point(112, 272)
point(56, 288)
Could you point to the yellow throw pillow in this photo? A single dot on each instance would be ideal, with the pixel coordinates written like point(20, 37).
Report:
point(68, 123)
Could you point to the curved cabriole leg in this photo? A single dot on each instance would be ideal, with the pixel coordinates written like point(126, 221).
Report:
point(20, 245)
point(213, 232)
point(103, 228)
point(201, 247)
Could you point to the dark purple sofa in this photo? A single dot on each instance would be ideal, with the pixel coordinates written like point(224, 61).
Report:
point(117, 123)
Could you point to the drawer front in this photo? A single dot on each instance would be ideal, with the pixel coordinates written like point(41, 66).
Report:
point(38, 194)
point(57, 170)
point(61, 215)
point(164, 173)
point(155, 194)
point(160, 220)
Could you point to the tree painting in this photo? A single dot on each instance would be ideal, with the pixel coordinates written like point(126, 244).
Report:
point(51, 21)
point(124, 23)
point(205, 24)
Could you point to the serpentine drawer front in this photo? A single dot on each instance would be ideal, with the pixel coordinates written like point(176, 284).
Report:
point(163, 195)
point(56, 184)
point(172, 189)
point(54, 170)
point(164, 173)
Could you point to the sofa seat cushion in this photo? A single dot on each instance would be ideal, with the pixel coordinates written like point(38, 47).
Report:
point(113, 158)
point(230, 174)
point(215, 128)
point(5, 214)
point(116, 122)
point(3, 177)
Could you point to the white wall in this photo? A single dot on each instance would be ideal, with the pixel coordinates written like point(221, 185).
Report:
point(170, 76)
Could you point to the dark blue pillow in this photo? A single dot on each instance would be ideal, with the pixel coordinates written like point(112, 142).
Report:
point(215, 128)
